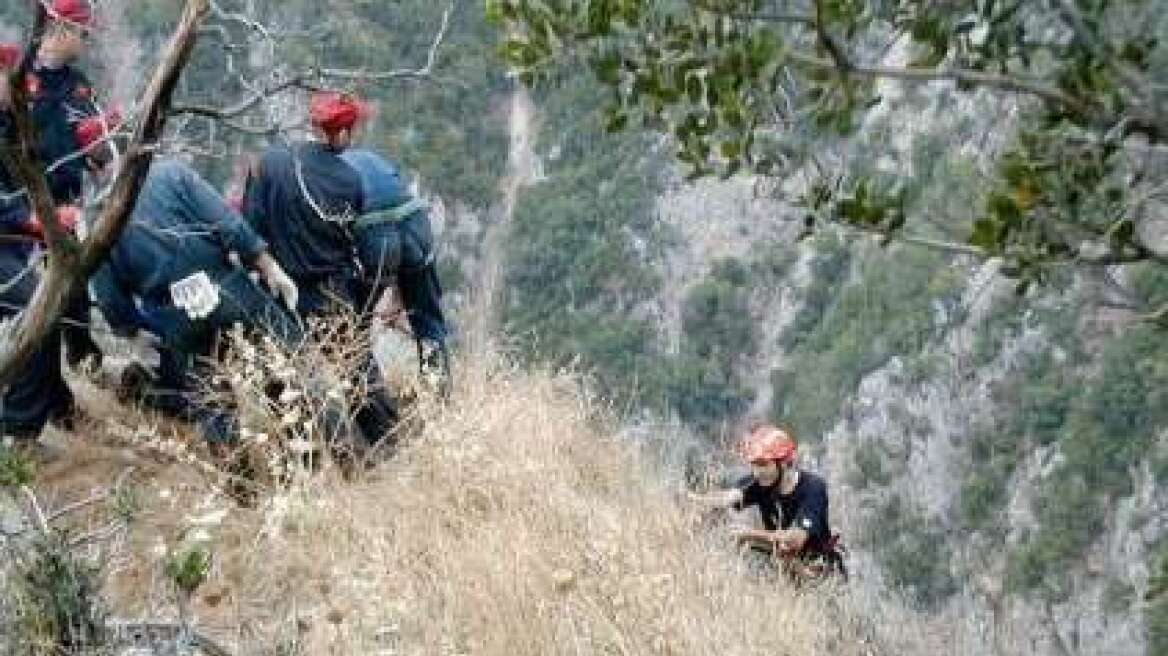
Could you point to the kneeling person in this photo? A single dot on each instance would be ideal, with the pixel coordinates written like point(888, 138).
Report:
point(792, 503)
point(170, 274)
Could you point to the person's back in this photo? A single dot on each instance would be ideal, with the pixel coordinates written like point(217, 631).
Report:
point(304, 201)
point(395, 244)
point(179, 226)
point(807, 508)
point(301, 200)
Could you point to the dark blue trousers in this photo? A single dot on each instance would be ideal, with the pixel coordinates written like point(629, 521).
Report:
point(39, 393)
point(402, 251)
point(378, 416)
point(188, 347)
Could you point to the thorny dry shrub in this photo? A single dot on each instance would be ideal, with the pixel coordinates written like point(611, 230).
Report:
point(508, 526)
point(297, 403)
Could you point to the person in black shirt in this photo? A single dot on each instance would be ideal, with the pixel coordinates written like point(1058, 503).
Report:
point(303, 200)
point(792, 503)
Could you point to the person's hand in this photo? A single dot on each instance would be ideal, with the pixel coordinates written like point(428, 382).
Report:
point(747, 534)
point(279, 282)
point(144, 340)
point(68, 217)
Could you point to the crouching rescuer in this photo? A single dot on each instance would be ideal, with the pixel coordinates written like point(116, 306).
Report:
point(792, 504)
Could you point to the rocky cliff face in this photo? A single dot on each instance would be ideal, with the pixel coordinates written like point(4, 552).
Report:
point(916, 429)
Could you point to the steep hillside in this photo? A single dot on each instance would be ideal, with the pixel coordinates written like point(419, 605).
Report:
point(517, 522)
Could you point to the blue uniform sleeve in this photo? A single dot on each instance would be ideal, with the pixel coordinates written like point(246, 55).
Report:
point(115, 303)
point(211, 208)
point(13, 214)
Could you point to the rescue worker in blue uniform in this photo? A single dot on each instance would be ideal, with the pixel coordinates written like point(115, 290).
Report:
point(61, 96)
point(303, 200)
point(395, 246)
point(171, 274)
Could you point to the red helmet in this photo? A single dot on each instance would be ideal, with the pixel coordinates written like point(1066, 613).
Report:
point(95, 128)
point(767, 442)
point(333, 112)
point(9, 55)
point(77, 12)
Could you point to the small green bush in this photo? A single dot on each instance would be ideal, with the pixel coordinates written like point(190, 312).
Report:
point(911, 550)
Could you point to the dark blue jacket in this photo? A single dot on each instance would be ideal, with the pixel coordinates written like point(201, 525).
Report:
point(406, 243)
point(180, 225)
point(285, 199)
point(14, 212)
point(61, 97)
point(382, 183)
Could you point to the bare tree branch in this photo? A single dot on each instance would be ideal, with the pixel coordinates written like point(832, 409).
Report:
point(925, 75)
point(302, 80)
point(401, 73)
point(248, 103)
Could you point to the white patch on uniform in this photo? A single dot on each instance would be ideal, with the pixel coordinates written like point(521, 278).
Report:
point(806, 523)
point(196, 295)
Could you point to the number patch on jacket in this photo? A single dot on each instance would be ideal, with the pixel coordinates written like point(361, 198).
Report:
point(196, 295)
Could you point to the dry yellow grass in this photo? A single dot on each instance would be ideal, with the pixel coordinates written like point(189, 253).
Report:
point(511, 525)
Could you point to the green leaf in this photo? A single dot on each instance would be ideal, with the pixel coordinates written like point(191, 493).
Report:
point(987, 235)
point(607, 68)
point(616, 122)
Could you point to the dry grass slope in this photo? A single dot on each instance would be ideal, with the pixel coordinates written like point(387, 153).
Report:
point(511, 526)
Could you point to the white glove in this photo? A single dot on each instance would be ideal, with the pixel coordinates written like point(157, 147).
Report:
point(145, 340)
point(145, 348)
point(278, 281)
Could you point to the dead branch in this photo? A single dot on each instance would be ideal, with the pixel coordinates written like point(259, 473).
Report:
point(153, 633)
point(402, 73)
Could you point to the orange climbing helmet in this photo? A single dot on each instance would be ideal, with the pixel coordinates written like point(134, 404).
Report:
point(332, 112)
point(767, 442)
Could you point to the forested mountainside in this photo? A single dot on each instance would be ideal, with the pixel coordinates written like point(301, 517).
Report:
point(996, 440)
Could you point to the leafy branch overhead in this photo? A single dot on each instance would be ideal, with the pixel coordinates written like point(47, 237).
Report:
point(769, 87)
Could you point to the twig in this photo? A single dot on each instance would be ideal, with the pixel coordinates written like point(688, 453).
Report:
point(423, 72)
point(99, 535)
point(77, 505)
point(130, 633)
point(35, 511)
point(925, 75)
